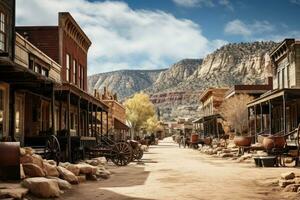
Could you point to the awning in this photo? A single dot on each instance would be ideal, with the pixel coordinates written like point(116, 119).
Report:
point(289, 92)
point(67, 87)
point(207, 118)
point(120, 125)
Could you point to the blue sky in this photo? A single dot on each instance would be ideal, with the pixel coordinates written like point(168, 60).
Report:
point(152, 34)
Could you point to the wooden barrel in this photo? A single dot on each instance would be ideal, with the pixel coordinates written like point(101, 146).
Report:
point(194, 138)
point(10, 161)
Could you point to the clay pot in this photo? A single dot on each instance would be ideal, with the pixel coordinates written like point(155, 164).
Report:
point(242, 141)
point(194, 138)
point(270, 142)
point(207, 140)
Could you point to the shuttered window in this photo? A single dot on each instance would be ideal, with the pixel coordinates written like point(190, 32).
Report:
point(2, 31)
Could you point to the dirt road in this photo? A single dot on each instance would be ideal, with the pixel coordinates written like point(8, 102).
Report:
point(170, 173)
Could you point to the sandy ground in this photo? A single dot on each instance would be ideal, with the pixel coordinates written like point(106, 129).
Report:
point(170, 173)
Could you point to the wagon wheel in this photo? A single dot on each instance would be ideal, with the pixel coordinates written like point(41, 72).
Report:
point(121, 153)
point(52, 149)
point(138, 153)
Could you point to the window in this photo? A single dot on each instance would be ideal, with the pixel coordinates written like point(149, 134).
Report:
point(67, 67)
point(79, 75)
point(2, 31)
point(74, 72)
point(82, 77)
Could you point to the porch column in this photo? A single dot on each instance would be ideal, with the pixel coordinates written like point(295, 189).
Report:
point(217, 129)
point(78, 117)
point(101, 121)
point(270, 116)
point(11, 114)
point(107, 123)
point(261, 119)
point(96, 112)
point(255, 121)
point(284, 113)
point(69, 126)
point(88, 120)
point(92, 121)
point(60, 116)
point(53, 111)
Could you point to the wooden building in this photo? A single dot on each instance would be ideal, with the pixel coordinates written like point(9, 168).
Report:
point(116, 119)
point(42, 93)
point(251, 90)
point(278, 111)
point(209, 124)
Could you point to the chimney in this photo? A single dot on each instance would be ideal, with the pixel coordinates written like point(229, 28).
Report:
point(270, 82)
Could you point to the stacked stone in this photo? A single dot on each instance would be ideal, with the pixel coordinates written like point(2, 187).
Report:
point(290, 182)
point(43, 178)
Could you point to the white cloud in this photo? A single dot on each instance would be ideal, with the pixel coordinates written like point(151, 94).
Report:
point(194, 3)
point(123, 37)
point(238, 27)
point(227, 4)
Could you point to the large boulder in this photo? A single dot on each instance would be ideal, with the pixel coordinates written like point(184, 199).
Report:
point(50, 170)
point(62, 184)
point(42, 187)
point(288, 175)
point(35, 159)
point(81, 178)
point(73, 168)
point(67, 175)
point(29, 150)
point(15, 193)
point(87, 169)
point(284, 183)
point(101, 160)
point(291, 188)
point(22, 173)
point(33, 170)
point(102, 173)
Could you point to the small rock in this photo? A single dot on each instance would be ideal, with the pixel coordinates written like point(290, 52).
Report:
point(22, 173)
point(51, 162)
point(22, 152)
point(101, 160)
point(91, 177)
point(86, 168)
point(42, 187)
point(284, 183)
point(288, 175)
point(226, 155)
point(67, 175)
point(81, 178)
point(15, 193)
point(33, 170)
point(29, 150)
point(103, 173)
point(62, 184)
point(291, 188)
point(50, 170)
point(35, 159)
point(74, 169)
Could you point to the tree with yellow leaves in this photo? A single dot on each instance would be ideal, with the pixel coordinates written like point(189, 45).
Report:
point(139, 109)
point(152, 124)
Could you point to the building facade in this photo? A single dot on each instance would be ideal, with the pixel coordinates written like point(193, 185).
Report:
point(278, 111)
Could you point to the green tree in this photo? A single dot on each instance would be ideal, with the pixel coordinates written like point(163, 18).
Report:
point(139, 109)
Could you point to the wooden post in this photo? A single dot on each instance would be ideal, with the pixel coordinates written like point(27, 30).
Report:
point(69, 126)
point(255, 121)
point(217, 128)
point(53, 111)
point(101, 119)
point(270, 116)
point(12, 113)
point(96, 119)
point(92, 121)
point(107, 123)
point(78, 117)
point(284, 113)
point(261, 119)
point(60, 116)
point(88, 119)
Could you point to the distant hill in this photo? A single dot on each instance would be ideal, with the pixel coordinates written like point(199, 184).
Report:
point(176, 90)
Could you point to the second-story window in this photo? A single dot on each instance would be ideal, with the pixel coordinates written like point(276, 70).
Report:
point(79, 75)
point(2, 31)
point(74, 72)
point(67, 67)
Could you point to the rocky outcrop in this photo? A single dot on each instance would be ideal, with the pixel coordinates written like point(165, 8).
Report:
point(124, 82)
point(241, 63)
